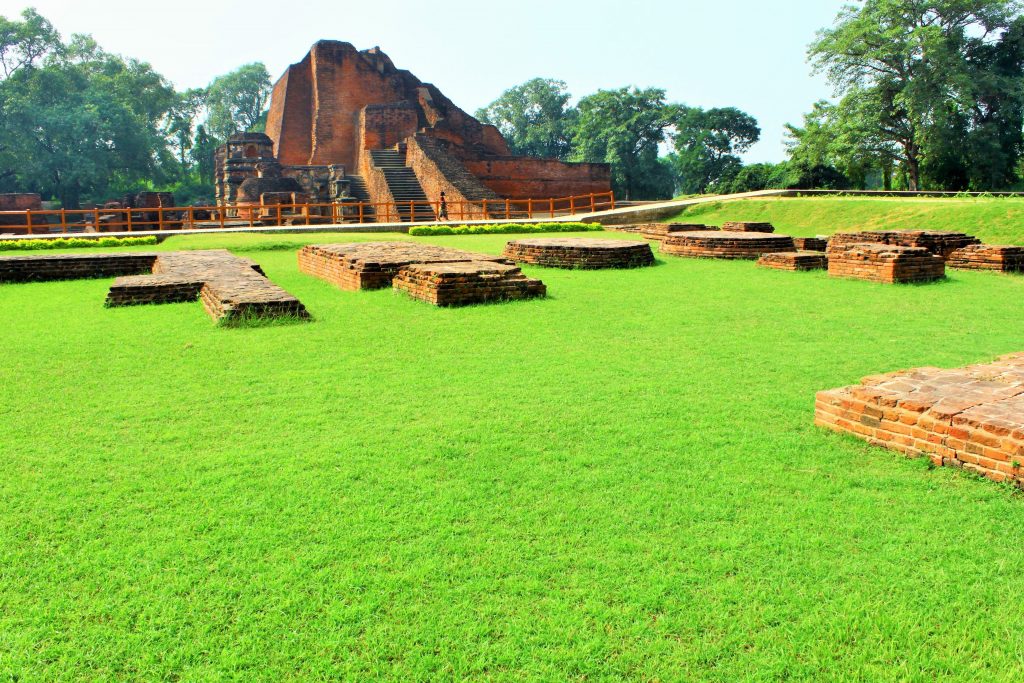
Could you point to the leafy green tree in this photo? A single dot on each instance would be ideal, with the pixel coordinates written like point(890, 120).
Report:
point(25, 43)
point(535, 118)
point(625, 128)
point(707, 144)
point(236, 100)
point(920, 61)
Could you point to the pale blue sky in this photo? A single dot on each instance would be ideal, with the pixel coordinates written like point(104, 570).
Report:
point(744, 53)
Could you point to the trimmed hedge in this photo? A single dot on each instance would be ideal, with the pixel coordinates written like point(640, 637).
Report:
point(75, 243)
point(502, 229)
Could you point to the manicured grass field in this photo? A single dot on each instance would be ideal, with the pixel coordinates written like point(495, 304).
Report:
point(998, 220)
point(621, 482)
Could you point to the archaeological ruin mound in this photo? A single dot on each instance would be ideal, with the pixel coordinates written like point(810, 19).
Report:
point(585, 254)
point(725, 244)
point(877, 262)
point(231, 288)
point(795, 260)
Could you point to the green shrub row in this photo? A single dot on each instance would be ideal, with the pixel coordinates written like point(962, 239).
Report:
point(502, 229)
point(76, 242)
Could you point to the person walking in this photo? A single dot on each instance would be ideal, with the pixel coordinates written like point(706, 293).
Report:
point(442, 209)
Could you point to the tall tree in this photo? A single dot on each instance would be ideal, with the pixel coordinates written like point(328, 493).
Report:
point(707, 144)
point(918, 59)
point(236, 100)
point(625, 128)
point(535, 118)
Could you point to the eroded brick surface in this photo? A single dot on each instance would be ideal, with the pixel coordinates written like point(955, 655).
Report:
point(582, 253)
point(938, 242)
point(466, 282)
point(971, 417)
point(795, 260)
point(748, 226)
point(229, 286)
point(885, 263)
point(810, 243)
point(373, 265)
point(1002, 258)
point(725, 244)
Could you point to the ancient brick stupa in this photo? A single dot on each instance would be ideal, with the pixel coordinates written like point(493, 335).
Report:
point(347, 124)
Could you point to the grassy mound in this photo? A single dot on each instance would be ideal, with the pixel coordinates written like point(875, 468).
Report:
point(997, 220)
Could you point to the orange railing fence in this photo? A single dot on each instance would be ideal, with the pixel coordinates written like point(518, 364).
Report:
point(63, 221)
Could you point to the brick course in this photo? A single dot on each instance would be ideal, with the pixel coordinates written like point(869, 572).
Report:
point(1002, 258)
point(725, 244)
point(582, 253)
point(971, 417)
point(795, 260)
point(467, 282)
point(942, 243)
point(748, 226)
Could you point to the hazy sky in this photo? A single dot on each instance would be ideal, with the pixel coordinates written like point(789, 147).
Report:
point(744, 53)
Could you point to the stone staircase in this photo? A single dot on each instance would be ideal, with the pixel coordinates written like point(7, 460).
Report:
point(357, 188)
point(410, 200)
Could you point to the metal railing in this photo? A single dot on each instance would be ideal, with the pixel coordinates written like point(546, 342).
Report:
point(68, 221)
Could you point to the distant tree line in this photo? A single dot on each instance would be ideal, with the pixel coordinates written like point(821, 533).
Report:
point(79, 124)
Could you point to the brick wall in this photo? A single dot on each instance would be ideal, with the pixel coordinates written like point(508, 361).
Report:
point(289, 122)
point(524, 177)
point(438, 171)
point(385, 125)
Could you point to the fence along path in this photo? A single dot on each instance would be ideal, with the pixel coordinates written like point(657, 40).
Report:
point(65, 221)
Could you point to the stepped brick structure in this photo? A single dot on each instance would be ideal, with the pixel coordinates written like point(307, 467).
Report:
point(971, 418)
point(374, 265)
point(810, 243)
point(725, 244)
point(885, 263)
point(1002, 258)
point(466, 282)
point(936, 241)
point(747, 226)
point(230, 287)
point(348, 125)
point(795, 260)
point(585, 254)
point(658, 231)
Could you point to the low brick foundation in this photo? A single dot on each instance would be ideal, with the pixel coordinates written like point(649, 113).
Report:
point(747, 226)
point(795, 260)
point(467, 282)
point(230, 287)
point(51, 267)
point(971, 417)
point(725, 244)
point(885, 263)
point(937, 242)
point(1002, 258)
point(810, 243)
point(374, 265)
point(582, 253)
point(658, 231)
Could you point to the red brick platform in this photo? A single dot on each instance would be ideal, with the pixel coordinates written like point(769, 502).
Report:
point(582, 253)
point(229, 287)
point(748, 226)
point(971, 417)
point(885, 263)
point(725, 244)
point(936, 241)
point(658, 231)
point(466, 282)
point(1002, 258)
point(795, 260)
point(810, 243)
point(373, 265)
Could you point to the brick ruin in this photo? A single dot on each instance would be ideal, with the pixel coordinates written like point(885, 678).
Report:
point(1001, 258)
point(811, 243)
point(658, 231)
point(886, 263)
point(747, 226)
point(348, 126)
point(21, 201)
point(438, 275)
point(971, 417)
point(725, 244)
point(231, 288)
point(795, 260)
point(938, 242)
point(581, 253)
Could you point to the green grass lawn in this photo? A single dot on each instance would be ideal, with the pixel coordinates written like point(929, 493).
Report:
point(620, 482)
point(994, 220)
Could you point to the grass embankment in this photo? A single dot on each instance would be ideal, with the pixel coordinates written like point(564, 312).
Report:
point(996, 220)
point(619, 482)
